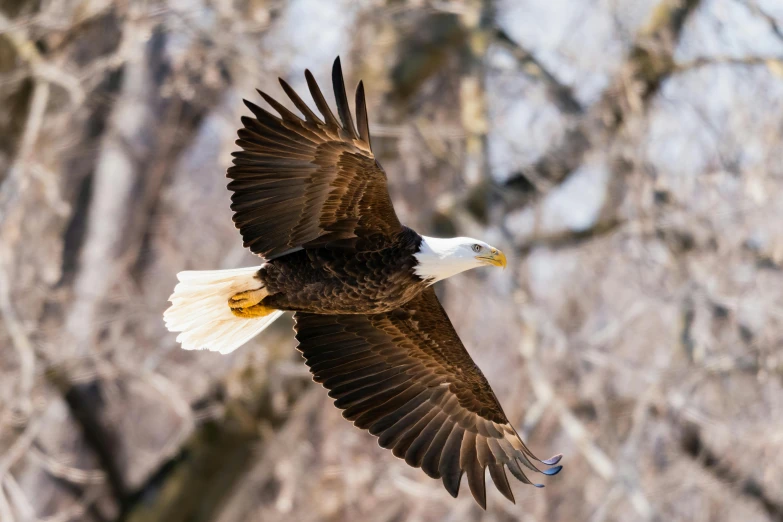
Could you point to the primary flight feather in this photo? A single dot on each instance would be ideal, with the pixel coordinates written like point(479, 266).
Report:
point(310, 198)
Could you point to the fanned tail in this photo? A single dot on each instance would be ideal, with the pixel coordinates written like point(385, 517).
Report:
point(200, 309)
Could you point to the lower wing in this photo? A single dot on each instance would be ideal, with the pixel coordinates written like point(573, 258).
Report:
point(405, 377)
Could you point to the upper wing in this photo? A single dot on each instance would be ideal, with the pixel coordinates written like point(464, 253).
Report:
point(406, 377)
point(299, 183)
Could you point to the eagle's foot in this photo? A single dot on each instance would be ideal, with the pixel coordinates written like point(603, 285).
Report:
point(252, 311)
point(246, 299)
point(247, 304)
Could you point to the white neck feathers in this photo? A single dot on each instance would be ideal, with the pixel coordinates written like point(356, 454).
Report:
point(441, 258)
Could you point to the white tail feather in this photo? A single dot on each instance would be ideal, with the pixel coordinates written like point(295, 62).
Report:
point(199, 310)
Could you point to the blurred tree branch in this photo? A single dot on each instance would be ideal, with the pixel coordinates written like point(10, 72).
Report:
point(85, 403)
point(774, 63)
point(41, 69)
point(774, 25)
point(648, 63)
point(601, 463)
point(195, 485)
point(694, 446)
point(561, 94)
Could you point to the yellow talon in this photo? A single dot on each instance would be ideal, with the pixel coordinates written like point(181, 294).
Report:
point(247, 299)
point(247, 304)
point(253, 311)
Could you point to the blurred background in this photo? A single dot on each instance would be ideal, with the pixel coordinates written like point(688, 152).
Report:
point(626, 154)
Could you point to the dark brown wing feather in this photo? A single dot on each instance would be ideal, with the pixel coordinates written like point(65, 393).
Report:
point(308, 183)
point(406, 377)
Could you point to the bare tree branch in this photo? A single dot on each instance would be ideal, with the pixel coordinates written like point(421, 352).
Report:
point(773, 23)
point(562, 95)
point(41, 68)
point(773, 62)
point(648, 63)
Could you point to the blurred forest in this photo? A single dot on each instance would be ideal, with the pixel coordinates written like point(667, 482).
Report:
point(625, 154)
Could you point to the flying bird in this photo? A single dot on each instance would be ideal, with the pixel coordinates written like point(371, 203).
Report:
point(310, 198)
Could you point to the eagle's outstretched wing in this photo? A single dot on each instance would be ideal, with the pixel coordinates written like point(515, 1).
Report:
point(406, 377)
point(300, 183)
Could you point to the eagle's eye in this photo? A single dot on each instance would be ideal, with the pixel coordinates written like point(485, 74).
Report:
point(477, 248)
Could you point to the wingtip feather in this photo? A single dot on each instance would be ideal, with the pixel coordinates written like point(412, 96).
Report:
point(338, 86)
point(551, 461)
point(451, 485)
point(320, 101)
point(362, 119)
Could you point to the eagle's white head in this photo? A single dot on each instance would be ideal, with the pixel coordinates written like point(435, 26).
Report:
point(441, 258)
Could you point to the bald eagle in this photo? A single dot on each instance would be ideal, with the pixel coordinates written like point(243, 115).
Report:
point(310, 198)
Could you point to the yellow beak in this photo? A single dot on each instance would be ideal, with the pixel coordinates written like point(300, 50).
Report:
point(495, 258)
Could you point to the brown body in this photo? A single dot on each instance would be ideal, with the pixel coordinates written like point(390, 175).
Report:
point(377, 276)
